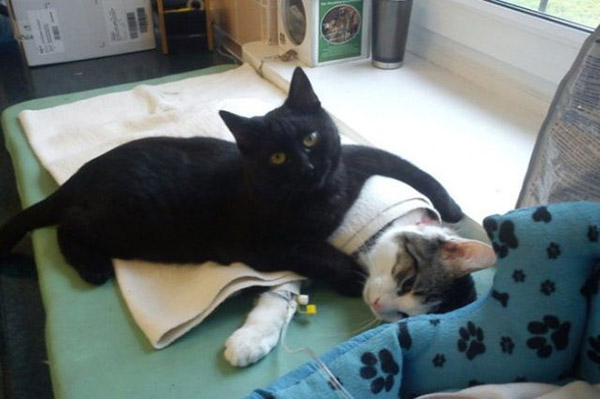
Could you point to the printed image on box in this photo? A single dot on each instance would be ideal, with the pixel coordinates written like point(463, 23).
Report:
point(340, 24)
point(340, 28)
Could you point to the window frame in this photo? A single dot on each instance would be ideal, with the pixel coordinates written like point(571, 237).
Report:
point(539, 14)
point(488, 42)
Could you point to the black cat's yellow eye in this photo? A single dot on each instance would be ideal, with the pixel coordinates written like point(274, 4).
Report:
point(311, 139)
point(278, 158)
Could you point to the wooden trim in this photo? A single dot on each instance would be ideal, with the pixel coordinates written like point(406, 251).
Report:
point(162, 26)
point(209, 32)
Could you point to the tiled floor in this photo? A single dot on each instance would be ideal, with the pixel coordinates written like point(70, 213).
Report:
point(23, 373)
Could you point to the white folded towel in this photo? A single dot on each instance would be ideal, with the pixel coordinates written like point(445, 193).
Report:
point(167, 301)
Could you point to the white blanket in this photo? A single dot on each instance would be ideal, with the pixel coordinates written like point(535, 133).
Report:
point(524, 390)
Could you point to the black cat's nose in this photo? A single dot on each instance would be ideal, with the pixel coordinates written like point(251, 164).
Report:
point(307, 168)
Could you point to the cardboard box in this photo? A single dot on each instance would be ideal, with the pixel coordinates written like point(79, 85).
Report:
point(52, 31)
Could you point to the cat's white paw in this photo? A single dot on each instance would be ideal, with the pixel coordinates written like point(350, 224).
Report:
point(249, 344)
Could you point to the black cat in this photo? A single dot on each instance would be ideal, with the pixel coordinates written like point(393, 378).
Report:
point(270, 202)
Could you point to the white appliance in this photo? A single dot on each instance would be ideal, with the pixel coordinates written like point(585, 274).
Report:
point(324, 31)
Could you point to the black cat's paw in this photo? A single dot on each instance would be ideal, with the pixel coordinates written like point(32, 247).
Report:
point(96, 277)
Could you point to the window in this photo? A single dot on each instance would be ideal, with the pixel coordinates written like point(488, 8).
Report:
point(579, 13)
point(497, 46)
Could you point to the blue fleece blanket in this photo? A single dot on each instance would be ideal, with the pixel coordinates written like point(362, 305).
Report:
point(540, 322)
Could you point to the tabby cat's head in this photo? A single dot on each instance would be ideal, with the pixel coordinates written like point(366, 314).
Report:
point(421, 269)
point(295, 147)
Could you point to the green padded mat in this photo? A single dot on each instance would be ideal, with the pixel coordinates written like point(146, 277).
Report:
point(96, 351)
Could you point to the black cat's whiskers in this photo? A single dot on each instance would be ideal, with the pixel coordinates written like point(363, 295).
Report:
point(360, 273)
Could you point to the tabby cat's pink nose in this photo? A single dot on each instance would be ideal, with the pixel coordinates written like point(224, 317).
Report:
point(376, 304)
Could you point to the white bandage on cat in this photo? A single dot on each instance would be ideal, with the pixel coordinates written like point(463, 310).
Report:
point(381, 201)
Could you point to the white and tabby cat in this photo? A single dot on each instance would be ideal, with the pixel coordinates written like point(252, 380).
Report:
point(417, 266)
point(414, 266)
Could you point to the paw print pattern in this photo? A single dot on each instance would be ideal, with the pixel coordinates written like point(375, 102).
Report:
point(471, 340)
point(594, 352)
point(334, 385)
point(370, 371)
point(553, 250)
point(559, 335)
point(507, 345)
point(593, 234)
point(506, 236)
point(434, 322)
point(548, 287)
point(501, 297)
point(592, 285)
point(542, 215)
point(490, 226)
point(439, 360)
point(404, 336)
point(519, 276)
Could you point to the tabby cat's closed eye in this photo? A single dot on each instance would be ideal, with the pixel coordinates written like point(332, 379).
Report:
point(407, 285)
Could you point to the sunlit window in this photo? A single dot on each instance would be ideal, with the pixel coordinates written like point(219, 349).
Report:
point(584, 13)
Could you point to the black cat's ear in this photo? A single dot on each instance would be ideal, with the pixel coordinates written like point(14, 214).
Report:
point(241, 128)
point(301, 96)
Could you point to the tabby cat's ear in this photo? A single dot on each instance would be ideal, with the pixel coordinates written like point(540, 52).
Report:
point(301, 96)
point(467, 256)
point(241, 128)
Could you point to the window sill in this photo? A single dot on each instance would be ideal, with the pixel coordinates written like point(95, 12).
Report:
point(478, 145)
point(513, 54)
